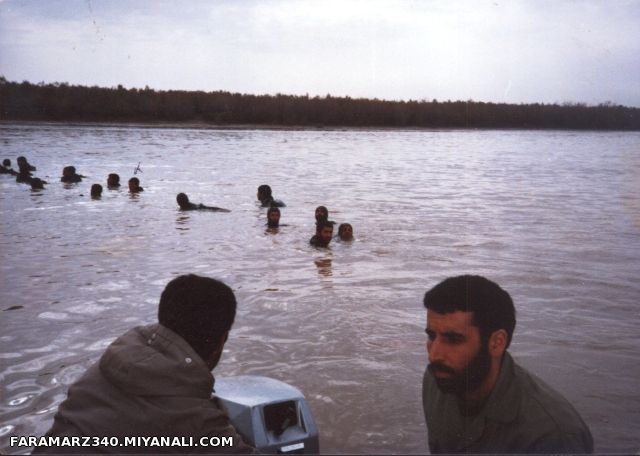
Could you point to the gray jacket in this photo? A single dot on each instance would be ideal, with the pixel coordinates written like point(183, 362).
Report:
point(149, 382)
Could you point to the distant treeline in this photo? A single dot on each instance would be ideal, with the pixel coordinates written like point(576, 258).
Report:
point(68, 103)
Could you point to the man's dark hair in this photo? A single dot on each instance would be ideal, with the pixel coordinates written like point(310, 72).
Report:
point(323, 224)
point(272, 209)
point(342, 227)
point(133, 179)
point(492, 306)
point(199, 309)
point(182, 199)
point(264, 190)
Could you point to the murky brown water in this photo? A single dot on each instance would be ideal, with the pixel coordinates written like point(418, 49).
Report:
point(554, 217)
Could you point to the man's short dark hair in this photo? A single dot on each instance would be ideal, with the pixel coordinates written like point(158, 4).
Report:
point(199, 309)
point(492, 306)
point(272, 209)
point(264, 190)
point(323, 224)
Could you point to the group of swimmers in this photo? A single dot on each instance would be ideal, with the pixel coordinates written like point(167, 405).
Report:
point(69, 176)
point(321, 238)
point(324, 226)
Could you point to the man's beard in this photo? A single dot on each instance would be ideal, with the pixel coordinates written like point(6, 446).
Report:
point(470, 378)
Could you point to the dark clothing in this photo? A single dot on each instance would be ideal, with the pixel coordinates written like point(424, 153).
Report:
point(149, 382)
point(72, 179)
point(5, 170)
point(24, 177)
point(521, 415)
point(317, 241)
point(271, 202)
point(202, 207)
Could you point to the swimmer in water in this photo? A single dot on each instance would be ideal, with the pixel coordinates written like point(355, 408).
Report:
point(96, 191)
point(134, 185)
point(113, 181)
point(266, 198)
point(24, 173)
point(185, 205)
point(345, 232)
point(36, 183)
point(273, 217)
point(324, 232)
point(24, 164)
point(322, 215)
point(5, 168)
point(69, 175)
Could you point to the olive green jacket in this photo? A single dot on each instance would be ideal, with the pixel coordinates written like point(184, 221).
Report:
point(149, 382)
point(522, 415)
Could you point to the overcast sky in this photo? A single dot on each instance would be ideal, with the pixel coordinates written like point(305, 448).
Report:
point(500, 51)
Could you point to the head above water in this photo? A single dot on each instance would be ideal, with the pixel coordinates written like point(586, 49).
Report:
point(6, 162)
point(325, 231)
point(96, 190)
point(37, 183)
point(492, 306)
point(273, 217)
point(345, 231)
point(68, 171)
point(134, 184)
point(322, 214)
point(113, 180)
point(264, 192)
point(201, 310)
point(183, 200)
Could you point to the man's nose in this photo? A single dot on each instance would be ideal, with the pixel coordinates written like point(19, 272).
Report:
point(434, 350)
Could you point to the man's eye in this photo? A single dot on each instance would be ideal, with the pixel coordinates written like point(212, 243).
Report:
point(455, 339)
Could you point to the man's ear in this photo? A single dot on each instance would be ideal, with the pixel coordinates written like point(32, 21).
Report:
point(498, 343)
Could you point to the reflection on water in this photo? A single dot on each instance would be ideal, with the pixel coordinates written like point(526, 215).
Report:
point(551, 216)
point(324, 266)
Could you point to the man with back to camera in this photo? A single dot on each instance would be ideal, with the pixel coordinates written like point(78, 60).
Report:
point(476, 399)
point(266, 198)
point(156, 380)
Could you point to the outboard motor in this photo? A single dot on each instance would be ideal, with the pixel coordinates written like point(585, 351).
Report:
point(269, 414)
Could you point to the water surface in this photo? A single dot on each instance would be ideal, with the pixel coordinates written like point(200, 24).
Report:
point(554, 217)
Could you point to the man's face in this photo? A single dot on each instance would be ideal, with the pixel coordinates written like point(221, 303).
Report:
point(326, 233)
point(347, 233)
point(457, 358)
point(274, 218)
point(321, 214)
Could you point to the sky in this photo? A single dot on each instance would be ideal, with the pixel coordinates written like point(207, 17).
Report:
point(520, 51)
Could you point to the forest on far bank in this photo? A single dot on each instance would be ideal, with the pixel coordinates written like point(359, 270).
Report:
point(61, 102)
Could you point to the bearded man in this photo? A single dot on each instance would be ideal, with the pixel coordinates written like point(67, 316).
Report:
point(476, 399)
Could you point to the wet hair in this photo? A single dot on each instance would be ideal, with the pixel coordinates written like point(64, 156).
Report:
point(323, 224)
point(272, 209)
point(323, 209)
point(96, 190)
point(134, 180)
point(113, 180)
point(264, 190)
point(6, 162)
point(182, 199)
point(199, 309)
point(21, 159)
point(342, 227)
point(492, 306)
